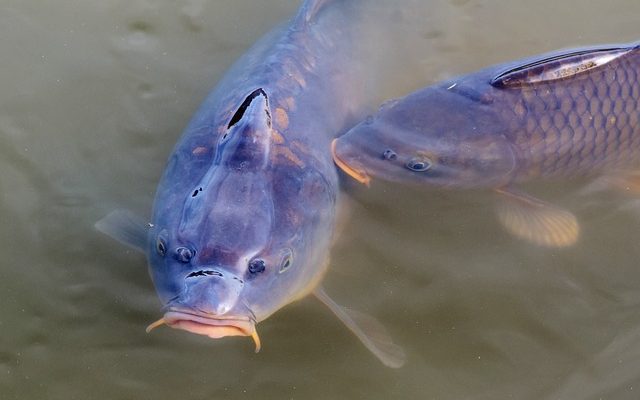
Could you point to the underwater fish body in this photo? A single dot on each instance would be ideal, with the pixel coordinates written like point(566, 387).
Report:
point(244, 214)
point(564, 114)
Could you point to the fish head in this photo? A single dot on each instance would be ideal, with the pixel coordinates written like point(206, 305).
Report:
point(243, 238)
point(435, 137)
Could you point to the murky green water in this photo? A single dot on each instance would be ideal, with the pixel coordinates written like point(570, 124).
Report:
point(95, 93)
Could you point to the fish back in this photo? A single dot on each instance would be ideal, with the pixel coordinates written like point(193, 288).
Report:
point(573, 113)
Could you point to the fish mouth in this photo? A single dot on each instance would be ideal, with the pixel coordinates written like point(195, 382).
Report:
point(214, 327)
point(358, 174)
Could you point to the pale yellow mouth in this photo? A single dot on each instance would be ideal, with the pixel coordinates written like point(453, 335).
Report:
point(356, 174)
point(214, 328)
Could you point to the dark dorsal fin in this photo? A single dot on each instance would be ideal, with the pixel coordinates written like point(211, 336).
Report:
point(245, 104)
point(560, 66)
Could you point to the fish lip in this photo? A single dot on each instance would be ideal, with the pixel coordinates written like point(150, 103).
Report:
point(178, 317)
point(213, 326)
point(357, 174)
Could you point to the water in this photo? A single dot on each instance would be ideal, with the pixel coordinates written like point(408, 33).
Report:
point(94, 95)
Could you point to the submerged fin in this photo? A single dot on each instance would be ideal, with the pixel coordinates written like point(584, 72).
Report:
point(599, 184)
point(624, 181)
point(560, 65)
point(343, 214)
point(537, 221)
point(125, 227)
point(370, 332)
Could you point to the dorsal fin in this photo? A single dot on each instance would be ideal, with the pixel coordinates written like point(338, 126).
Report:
point(560, 66)
point(247, 102)
point(246, 143)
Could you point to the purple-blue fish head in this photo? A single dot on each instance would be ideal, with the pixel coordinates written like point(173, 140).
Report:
point(431, 137)
point(233, 263)
point(242, 235)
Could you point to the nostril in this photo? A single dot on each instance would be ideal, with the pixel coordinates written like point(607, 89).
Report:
point(256, 265)
point(203, 273)
point(184, 254)
point(389, 154)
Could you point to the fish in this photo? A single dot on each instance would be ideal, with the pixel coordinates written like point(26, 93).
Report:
point(570, 113)
point(245, 212)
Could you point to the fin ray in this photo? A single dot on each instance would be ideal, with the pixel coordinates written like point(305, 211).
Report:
point(370, 332)
point(536, 221)
point(125, 227)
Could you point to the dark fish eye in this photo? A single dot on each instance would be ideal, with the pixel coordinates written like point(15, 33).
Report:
point(389, 154)
point(257, 265)
point(161, 246)
point(184, 254)
point(419, 164)
point(287, 260)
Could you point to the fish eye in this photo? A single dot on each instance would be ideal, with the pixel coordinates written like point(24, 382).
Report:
point(184, 254)
point(287, 260)
point(257, 265)
point(389, 154)
point(419, 164)
point(161, 246)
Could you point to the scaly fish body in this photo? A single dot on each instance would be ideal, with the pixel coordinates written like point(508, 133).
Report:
point(244, 214)
point(583, 124)
point(564, 114)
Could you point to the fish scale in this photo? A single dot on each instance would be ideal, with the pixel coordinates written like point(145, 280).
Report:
point(564, 114)
point(582, 125)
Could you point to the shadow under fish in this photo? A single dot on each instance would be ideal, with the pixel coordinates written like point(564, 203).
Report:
point(566, 114)
point(244, 215)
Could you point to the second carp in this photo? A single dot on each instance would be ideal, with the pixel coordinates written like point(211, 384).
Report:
point(564, 114)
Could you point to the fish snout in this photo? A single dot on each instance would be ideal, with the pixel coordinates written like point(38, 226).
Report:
point(346, 158)
point(211, 291)
point(209, 306)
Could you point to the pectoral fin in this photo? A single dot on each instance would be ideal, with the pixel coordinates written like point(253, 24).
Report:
point(125, 227)
point(535, 220)
point(370, 332)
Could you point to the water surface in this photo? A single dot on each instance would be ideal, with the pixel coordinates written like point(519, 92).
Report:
point(95, 94)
